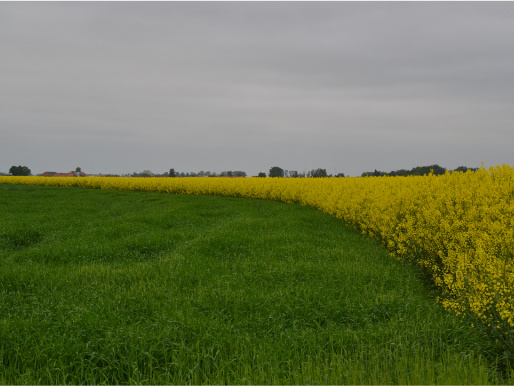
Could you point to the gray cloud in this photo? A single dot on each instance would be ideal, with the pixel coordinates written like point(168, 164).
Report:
point(346, 86)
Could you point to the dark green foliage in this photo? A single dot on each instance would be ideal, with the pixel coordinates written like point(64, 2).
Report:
point(231, 173)
point(276, 171)
point(422, 170)
point(400, 172)
point(376, 173)
point(318, 173)
point(464, 169)
point(262, 174)
point(417, 171)
point(19, 171)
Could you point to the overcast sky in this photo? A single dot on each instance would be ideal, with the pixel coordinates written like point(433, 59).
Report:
point(344, 86)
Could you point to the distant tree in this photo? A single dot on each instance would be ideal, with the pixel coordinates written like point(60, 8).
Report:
point(261, 174)
point(376, 173)
point(339, 175)
point(275, 171)
point(78, 170)
point(19, 171)
point(146, 173)
point(172, 173)
point(318, 173)
point(293, 174)
point(239, 173)
point(422, 170)
point(464, 169)
point(401, 172)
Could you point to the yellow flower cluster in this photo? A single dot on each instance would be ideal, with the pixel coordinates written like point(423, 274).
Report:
point(458, 226)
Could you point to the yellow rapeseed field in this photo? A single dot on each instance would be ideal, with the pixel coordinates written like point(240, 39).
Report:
point(458, 226)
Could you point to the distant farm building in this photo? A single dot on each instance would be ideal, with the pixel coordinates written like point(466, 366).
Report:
point(70, 174)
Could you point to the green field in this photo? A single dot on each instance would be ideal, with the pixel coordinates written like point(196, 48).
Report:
point(122, 287)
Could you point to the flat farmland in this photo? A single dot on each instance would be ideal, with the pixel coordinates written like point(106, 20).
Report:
point(123, 287)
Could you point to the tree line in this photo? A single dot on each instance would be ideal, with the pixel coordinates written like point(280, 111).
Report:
point(274, 171)
point(201, 173)
point(416, 171)
point(277, 171)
